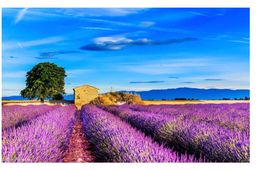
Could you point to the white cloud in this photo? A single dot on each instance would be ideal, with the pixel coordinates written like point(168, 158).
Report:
point(20, 15)
point(122, 11)
point(166, 66)
point(87, 14)
point(97, 12)
point(20, 45)
point(116, 39)
point(118, 23)
point(46, 13)
point(229, 38)
point(120, 42)
point(113, 43)
point(43, 41)
point(147, 24)
point(144, 24)
point(197, 13)
point(98, 28)
point(31, 43)
point(240, 41)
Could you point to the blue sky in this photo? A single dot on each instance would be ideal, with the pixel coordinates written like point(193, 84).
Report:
point(128, 49)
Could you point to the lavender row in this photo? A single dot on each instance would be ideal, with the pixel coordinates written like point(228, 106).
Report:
point(212, 141)
point(116, 141)
point(43, 139)
point(230, 116)
point(15, 115)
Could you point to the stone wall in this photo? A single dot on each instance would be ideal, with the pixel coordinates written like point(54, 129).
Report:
point(84, 94)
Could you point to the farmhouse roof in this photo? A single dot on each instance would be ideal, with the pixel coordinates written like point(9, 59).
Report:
point(85, 85)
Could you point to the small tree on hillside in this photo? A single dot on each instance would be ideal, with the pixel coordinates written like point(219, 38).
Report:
point(44, 80)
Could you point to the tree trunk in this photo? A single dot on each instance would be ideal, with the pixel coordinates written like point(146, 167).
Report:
point(42, 100)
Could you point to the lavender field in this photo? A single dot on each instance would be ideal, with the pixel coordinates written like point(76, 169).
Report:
point(40, 139)
point(15, 115)
point(129, 133)
point(218, 132)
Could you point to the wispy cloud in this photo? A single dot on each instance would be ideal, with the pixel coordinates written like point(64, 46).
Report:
point(110, 22)
point(146, 82)
point(246, 38)
point(20, 15)
point(137, 38)
point(173, 77)
point(43, 41)
point(20, 45)
point(51, 54)
point(230, 38)
point(146, 24)
point(31, 43)
point(213, 79)
point(99, 28)
point(169, 66)
point(107, 43)
point(240, 41)
point(118, 43)
point(195, 13)
point(95, 14)
point(43, 13)
point(98, 12)
point(188, 82)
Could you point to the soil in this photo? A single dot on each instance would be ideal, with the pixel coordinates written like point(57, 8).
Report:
point(79, 148)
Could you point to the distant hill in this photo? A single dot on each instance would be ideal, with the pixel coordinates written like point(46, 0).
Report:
point(13, 98)
point(171, 94)
point(192, 93)
point(66, 97)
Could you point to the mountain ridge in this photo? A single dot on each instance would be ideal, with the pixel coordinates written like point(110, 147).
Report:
point(192, 93)
point(173, 93)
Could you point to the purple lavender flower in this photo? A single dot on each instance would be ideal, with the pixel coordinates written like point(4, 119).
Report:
point(215, 131)
point(116, 141)
point(43, 139)
point(16, 115)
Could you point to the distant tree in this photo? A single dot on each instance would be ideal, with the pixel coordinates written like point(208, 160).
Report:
point(226, 99)
point(246, 98)
point(181, 98)
point(44, 80)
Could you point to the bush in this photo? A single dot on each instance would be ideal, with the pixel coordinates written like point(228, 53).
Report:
point(117, 98)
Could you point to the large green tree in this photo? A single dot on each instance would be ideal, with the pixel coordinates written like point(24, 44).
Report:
point(44, 80)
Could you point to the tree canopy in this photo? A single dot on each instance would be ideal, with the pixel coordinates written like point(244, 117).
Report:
point(45, 80)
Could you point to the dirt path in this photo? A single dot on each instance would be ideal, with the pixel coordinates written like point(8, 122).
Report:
point(78, 150)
